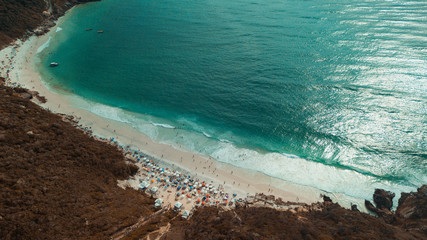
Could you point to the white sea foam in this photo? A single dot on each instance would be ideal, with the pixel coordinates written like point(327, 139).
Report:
point(301, 171)
point(44, 46)
point(287, 167)
point(163, 125)
point(58, 29)
point(108, 112)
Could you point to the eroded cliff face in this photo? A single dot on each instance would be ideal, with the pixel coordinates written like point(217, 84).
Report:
point(413, 206)
point(19, 18)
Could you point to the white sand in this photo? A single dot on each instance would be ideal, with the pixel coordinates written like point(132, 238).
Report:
point(234, 179)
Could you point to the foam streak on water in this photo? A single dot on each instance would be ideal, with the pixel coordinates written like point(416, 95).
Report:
point(44, 45)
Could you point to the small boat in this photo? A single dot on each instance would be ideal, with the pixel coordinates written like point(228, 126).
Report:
point(101, 31)
point(89, 29)
point(54, 64)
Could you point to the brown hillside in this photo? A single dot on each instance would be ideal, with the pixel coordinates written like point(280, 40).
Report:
point(58, 182)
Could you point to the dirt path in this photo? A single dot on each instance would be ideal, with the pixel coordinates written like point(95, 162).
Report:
point(141, 222)
point(160, 232)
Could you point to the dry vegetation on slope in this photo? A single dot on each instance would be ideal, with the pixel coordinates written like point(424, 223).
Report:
point(317, 221)
point(58, 182)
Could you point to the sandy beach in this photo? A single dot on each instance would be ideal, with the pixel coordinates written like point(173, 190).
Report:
point(19, 69)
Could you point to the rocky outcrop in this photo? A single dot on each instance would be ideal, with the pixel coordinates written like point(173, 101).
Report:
point(386, 214)
point(354, 208)
point(326, 198)
point(413, 205)
point(383, 199)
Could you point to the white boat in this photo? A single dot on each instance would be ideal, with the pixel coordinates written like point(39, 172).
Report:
point(54, 64)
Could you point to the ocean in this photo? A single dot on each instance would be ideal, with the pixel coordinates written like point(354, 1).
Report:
point(327, 94)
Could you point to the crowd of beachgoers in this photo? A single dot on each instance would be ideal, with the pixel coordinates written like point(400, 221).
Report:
point(174, 188)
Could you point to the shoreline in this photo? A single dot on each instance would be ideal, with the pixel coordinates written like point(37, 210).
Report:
point(233, 179)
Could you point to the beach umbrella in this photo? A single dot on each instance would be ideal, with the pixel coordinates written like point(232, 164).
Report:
point(152, 180)
point(203, 203)
point(207, 195)
point(198, 191)
point(198, 200)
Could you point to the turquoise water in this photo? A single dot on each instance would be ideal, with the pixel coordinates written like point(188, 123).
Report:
point(325, 94)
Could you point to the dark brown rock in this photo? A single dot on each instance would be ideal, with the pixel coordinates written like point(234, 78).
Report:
point(413, 205)
point(422, 191)
point(326, 198)
point(383, 199)
point(354, 208)
point(370, 206)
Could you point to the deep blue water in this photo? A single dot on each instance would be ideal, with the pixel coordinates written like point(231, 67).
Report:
point(329, 94)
